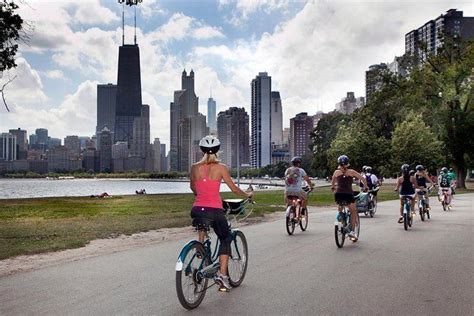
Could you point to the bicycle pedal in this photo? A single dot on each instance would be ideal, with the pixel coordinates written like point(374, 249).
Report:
point(223, 289)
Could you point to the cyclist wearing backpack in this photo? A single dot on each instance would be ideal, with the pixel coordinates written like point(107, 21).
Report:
point(444, 182)
point(206, 176)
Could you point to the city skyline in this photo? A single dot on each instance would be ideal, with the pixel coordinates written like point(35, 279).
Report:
point(61, 78)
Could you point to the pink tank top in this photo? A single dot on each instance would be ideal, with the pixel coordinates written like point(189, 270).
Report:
point(207, 190)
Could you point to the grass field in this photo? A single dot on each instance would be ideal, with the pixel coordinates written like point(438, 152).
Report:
point(29, 226)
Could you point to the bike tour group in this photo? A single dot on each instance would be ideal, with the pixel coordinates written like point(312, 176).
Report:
point(225, 262)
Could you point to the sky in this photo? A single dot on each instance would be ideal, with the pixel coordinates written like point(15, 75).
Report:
point(315, 51)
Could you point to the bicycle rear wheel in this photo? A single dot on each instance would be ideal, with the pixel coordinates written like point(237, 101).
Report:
point(190, 285)
point(340, 233)
point(290, 221)
point(357, 228)
point(304, 219)
point(238, 260)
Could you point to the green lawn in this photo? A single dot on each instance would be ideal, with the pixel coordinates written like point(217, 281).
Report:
point(29, 226)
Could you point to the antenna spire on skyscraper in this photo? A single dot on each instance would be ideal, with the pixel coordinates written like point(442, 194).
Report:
point(129, 3)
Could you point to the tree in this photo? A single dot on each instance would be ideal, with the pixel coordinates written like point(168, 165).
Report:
point(415, 143)
point(321, 138)
point(452, 79)
point(11, 26)
point(360, 143)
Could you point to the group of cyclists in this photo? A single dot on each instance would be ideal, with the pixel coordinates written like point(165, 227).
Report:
point(207, 174)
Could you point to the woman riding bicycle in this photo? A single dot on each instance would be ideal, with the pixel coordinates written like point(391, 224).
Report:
point(206, 176)
point(407, 184)
point(342, 186)
point(422, 178)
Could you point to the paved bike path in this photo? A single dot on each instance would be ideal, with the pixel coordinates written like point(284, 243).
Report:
point(426, 270)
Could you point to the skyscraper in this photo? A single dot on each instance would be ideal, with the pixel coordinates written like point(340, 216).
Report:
point(105, 151)
point(373, 79)
point(261, 121)
point(301, 127)
point(211, 114)
point(106, 102)
point(276, 119)
point(8, 148)
point(141, 133)
point(21, 142)
point(73, 145)
point(233, 133)
point(187, 125)
point(42, 136)
point(129, 92)
point(350, 103)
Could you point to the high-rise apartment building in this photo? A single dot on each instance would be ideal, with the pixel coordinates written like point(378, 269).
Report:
point(8, 147)
point(21, 142)
point(58, 159)
point(53, 142)
point(106, 103)
point(157, 155)
point(276, 119)
point(211, 114)
point(187, 125)
point(301, 127)
point(260, 155)
point(350, 103)
point(129, 92)
point(163, 158)
point(373, 79)
point(233, 133)
point(430, 37)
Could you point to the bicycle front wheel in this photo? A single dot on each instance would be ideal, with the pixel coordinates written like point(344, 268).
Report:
point(304, 219)
point(238, 259)
point(340, 233)
point(190, 284)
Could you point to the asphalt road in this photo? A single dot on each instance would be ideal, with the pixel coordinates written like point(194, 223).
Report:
point(427, 270)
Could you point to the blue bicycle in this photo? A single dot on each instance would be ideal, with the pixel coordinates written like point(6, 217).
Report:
point(199, 262)
point(407, 212)
point(342, 226)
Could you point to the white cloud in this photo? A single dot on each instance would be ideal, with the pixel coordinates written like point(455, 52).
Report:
point(243, 9)
point(150, 8)
point(75, 116)
point(181, 26)
point(26, 86)
point(54, 74)
point(91, 12)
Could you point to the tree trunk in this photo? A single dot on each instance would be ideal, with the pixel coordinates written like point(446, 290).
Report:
point(461, 181)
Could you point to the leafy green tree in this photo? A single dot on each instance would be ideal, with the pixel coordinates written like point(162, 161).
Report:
point(414, 143)
point(321, 137)
point(361, 145)
point(11, 26)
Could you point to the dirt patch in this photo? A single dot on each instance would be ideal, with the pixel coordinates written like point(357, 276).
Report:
point(110, 245)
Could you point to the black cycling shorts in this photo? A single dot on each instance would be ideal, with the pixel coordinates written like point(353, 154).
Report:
point(220, 225)
point(344, 197)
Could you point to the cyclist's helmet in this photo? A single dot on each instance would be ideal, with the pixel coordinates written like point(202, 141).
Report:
point(368, 169)
point(420, 168)
point(412, 172)
point(343, 160)
point(295, 160)
point(405, 169)
point(210, 144)
point(451, 170)
point(364, 168)
point(444, 170)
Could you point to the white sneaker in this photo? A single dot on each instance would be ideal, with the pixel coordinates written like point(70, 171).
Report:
point(223, 281)
point(352, 235)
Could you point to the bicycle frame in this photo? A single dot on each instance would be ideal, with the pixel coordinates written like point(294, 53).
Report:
point(406, 205)
point(347, 214)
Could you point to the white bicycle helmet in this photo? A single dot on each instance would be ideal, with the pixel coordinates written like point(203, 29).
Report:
point(210, 144)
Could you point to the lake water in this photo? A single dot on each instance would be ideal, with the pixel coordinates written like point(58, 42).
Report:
point(30, 188)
